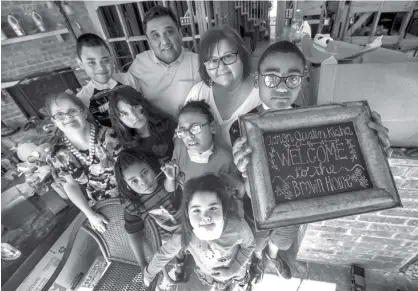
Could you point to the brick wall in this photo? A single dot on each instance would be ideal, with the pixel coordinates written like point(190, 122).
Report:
point(41, 55)
point(382, 240)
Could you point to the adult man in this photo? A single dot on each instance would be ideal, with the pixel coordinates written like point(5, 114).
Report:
point(167, 72)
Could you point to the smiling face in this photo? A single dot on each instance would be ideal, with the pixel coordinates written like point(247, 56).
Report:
point(70, 123)
point(226, 75)
point(206, 214)
point(282, 65)
point(131, 116)
point(202, 141)
point(164, 38)
point(140, 178)
point(97, 62)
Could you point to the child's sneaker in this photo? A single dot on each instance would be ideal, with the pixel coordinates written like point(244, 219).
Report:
point(257, 270)
point(282, 267)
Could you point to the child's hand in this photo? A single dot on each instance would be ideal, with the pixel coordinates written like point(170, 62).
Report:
point(223, 273)
point(170, 170)
point(382, 132)
point(241, 151)
point(146, 281)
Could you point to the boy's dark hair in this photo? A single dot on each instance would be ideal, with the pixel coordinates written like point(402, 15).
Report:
point(158, 122)
point(205, 183)
point(198, 107)
point(159, 11)
point(210, 40)
point(89, 40)
point(127, 158)
point(282, 47)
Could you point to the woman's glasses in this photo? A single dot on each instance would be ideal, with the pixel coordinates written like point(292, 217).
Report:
point(194, 129)
point(62, 115)
point(228, 59)
point(291, 82)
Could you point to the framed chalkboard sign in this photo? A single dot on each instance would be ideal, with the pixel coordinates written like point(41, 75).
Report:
point(316, 163)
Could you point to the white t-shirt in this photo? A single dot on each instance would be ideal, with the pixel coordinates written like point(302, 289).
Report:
point(201, 91)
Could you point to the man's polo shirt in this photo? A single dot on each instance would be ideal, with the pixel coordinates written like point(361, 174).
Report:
point(166, 86)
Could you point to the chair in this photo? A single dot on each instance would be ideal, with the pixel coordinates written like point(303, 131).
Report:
point(123, 272)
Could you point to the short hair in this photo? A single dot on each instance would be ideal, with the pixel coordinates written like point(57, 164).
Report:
point(127, 158)
point(200, 107)
point(159, 11)
point(205, 183)
point(210, 40)
point(282, 47)
point(52, 98)
point(90, 40)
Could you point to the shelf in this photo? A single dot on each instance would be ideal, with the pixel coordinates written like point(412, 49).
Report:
point(58, 33)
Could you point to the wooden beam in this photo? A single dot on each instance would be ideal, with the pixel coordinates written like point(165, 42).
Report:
point(125, 30)
point(376, 21)
point(356, 25)
point(281, 10)
point(405, 22)
point(321, 16)
point(208, 13)
point(388, 6)
point(191, 12)
point(337, 23)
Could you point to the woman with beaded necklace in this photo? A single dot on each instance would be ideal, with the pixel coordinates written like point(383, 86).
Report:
point(83, 156)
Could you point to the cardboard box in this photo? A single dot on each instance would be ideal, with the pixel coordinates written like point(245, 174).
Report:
point(386, 79)
point(84, 252)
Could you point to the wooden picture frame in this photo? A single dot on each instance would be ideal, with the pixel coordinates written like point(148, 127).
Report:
point(380, 193)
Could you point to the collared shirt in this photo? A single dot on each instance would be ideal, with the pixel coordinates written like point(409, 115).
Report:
point(166, 85)
point(87, 91)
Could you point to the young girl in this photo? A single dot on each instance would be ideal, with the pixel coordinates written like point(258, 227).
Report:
point(144, 196)
point(220, 242)
point(139, 124)
point(199, 153)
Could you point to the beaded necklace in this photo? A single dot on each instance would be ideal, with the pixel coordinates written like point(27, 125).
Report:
point(81, 157)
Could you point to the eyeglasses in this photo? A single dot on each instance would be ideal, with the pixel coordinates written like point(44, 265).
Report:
point(71, 112)
point(291, 82)
point(193, 130)
point(228, 59)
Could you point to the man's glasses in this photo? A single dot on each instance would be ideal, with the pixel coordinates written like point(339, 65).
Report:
point(228, 59)
point(193, 130)
point(71, 112)
point(291, 82)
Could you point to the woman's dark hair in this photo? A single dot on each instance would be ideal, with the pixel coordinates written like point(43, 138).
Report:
point(157, 121)
point(209, 42)
point(285, 47)
point(89, 40)
point(127, 158)
point(205, 183)
point(200, 107)
point(159, 11)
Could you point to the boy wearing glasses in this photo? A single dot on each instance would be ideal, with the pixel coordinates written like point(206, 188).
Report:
point(281, 70)
point(279, 75)
point(197, 152)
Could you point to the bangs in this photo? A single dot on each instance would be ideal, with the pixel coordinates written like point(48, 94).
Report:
point(127, 99)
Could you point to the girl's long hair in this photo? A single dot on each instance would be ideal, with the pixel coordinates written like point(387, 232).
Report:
point(205, 183)
point(157, 120)
point(127, 158)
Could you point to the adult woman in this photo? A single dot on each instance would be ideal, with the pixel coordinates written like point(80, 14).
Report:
point(83, 156)
point(228, 85)
point(140, 125)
